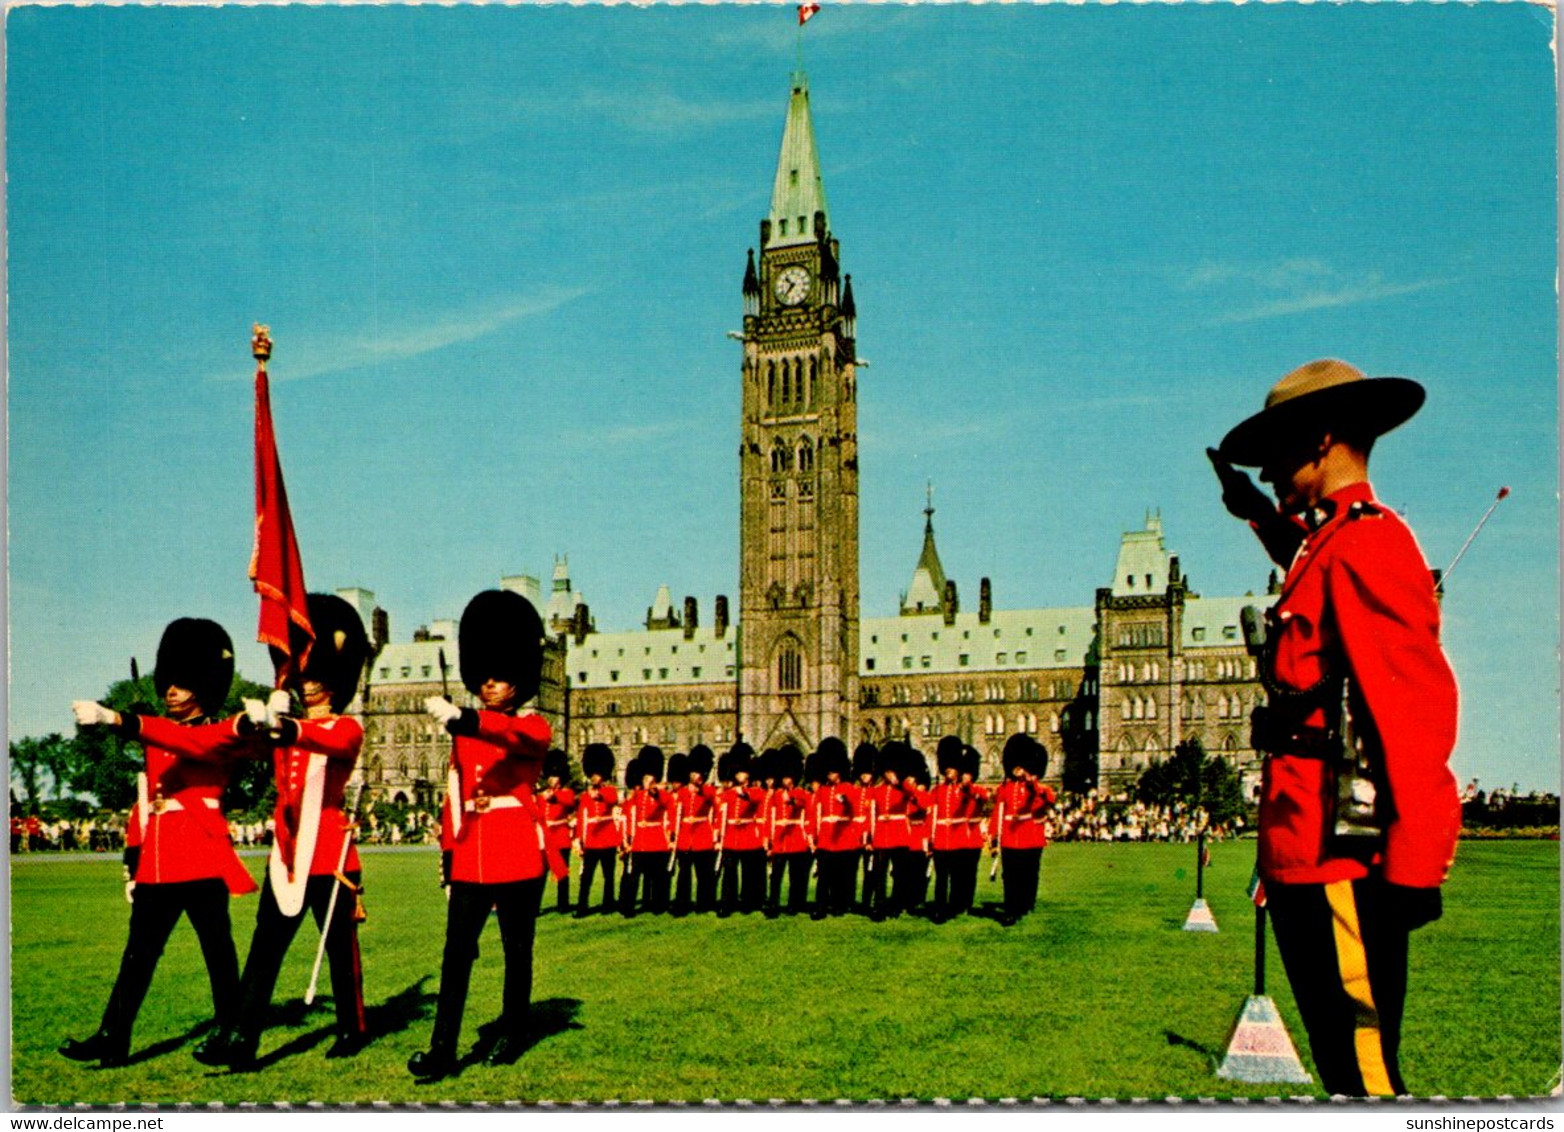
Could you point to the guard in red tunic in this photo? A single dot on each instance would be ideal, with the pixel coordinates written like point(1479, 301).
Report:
point(696, 817)
point(648, 821)
point(597, 826)
point(889, 830)
point(491, 827)
point(178, 852)
point(559, 811)
point(1018, 824)
point(920, 835)
point(863, 776)
point(313, 758)
point(742, 833)
point(838, 832)
point(1359, 812)
point(789, 840)
point(949, 825)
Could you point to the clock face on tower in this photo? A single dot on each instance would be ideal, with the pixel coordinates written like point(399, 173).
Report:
point(793, 286)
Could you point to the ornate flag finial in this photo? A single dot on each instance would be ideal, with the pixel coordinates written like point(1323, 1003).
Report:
point(261, 342)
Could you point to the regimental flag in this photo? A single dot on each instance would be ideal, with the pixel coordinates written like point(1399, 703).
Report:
point(275, 566)
point(805, 11)
point(1257, 888)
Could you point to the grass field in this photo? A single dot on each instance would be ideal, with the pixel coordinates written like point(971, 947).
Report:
point(1098, 993)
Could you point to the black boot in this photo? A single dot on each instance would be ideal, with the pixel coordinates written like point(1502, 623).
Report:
point(507, 1051)
point(87, 1049)
point(428, 1065)
point(214, 1049)
point(347, 1045)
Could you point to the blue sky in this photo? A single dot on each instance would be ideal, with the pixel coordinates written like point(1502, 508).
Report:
point(498, 249)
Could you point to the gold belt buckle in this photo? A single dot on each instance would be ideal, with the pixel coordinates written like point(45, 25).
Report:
point(159, 805)
point(480, 803)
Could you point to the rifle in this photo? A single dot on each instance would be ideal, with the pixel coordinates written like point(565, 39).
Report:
point(999, 840)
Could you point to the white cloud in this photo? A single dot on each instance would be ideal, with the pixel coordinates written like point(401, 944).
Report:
point(1290, 286)
point(1369, 291)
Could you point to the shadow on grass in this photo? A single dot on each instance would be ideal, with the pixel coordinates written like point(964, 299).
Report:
point(1209, 1054)
point(392, 1016)
point(168, 1045)
point(549, 1017)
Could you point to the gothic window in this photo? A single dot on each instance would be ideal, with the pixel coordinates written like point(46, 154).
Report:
point(806, 456)
point(787, 383)
point(1128, 710)
point(1088, 723)
point(1221, 707)
point(1151, 708)
point(790, 667)
point(1151, 745)
point(781, 457)
point(771, 384)
point(811, 401)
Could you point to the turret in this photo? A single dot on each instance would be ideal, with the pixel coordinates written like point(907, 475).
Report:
point(752, 281)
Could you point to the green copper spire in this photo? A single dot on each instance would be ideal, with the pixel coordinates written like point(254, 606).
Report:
point(799, 192)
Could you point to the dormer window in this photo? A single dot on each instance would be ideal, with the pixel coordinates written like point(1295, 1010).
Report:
point(782, 226)
point(792, 177)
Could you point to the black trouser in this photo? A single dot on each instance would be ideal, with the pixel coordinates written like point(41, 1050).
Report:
point(908, 870)
point(154, 912)
point(837, 881)
point(875, 898)
point(564, 881)
point(796, 867)
point(963, 879)
point(591, 861)
point(1018, 869)
point(702, 864)
point(944, 867)
point(516, 906)
point(1346, 958)
point(274, 931)
point(743, 880)
point(647, 871)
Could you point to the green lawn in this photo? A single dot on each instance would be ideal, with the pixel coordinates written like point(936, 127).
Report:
point(1098, 993)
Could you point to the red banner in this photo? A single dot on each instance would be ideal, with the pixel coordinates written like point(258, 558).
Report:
point(275, 565)
point(805, 11)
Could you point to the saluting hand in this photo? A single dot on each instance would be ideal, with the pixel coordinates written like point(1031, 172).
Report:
point(1240, 496)
point(442, 709)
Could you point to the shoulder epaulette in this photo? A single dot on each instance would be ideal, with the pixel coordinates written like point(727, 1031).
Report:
point(1362, 508)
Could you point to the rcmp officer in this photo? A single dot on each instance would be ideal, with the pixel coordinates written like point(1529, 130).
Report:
point(647, 817)
point(596, 825)
point(559, 809)
point(491, 831)
point(1018, 830)
point(742, 829)
point(313, 758)
point(1359, 812)
point(178, 852)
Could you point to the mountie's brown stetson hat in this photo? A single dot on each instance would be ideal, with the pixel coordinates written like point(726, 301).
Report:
point(1325, 393)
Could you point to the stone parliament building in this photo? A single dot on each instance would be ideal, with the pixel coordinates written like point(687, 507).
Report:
point(1106, 688)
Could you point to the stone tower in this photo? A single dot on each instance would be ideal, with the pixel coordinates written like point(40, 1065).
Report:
point(798, 465)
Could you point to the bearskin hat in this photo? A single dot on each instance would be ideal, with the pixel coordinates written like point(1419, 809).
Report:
point(197, 655)
point(789, 763)
point(501, 638)
point(947, 756)
point(598, 759)
point(1039, 762)
point(811, 763)
point(700, 761)
point(555, 765)
point(761, 767)
point(865, 760)
point(734, 760)
point(832, 756)
point(678, 769)
point(633, 772)
point(651, 760)
point(888, 759)
point(971, 762)
point(340, 650)
point(1018, 753)
point(916, 767)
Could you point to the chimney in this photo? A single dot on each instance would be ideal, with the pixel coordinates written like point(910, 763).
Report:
point(985, 601)
point(720, 618)
point(689, 617)
point(583, 622)
point(1175, 576)
point(380, 634)
point(950, 604)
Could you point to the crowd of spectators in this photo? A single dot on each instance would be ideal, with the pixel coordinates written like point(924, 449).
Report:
point(1102, 815)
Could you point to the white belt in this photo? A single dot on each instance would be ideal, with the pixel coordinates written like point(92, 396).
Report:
point(558, 821)
point(689, 821)
point(491, 802)
point(174, 805)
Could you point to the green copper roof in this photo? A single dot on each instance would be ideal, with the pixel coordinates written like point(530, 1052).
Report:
point(799, 192)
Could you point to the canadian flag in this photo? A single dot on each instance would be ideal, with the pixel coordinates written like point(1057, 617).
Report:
point(805, 11)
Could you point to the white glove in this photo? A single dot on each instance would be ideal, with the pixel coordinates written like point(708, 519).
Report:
point(90, 714)
point(278, 703)
point(442, 709)
point(255, 712)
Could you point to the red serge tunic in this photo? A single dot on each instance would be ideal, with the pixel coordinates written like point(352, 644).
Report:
point(952, 802)
point(647, 813)
point(743, 818)
point(696, 815)
point(787, 812)
point(499, 839)
point(1359, 597)
point(339, 738)
point(889, 828)
point(1018, 817)
point(595, 825)
point(836, 808)
point(185, 836)
point(558, 806)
